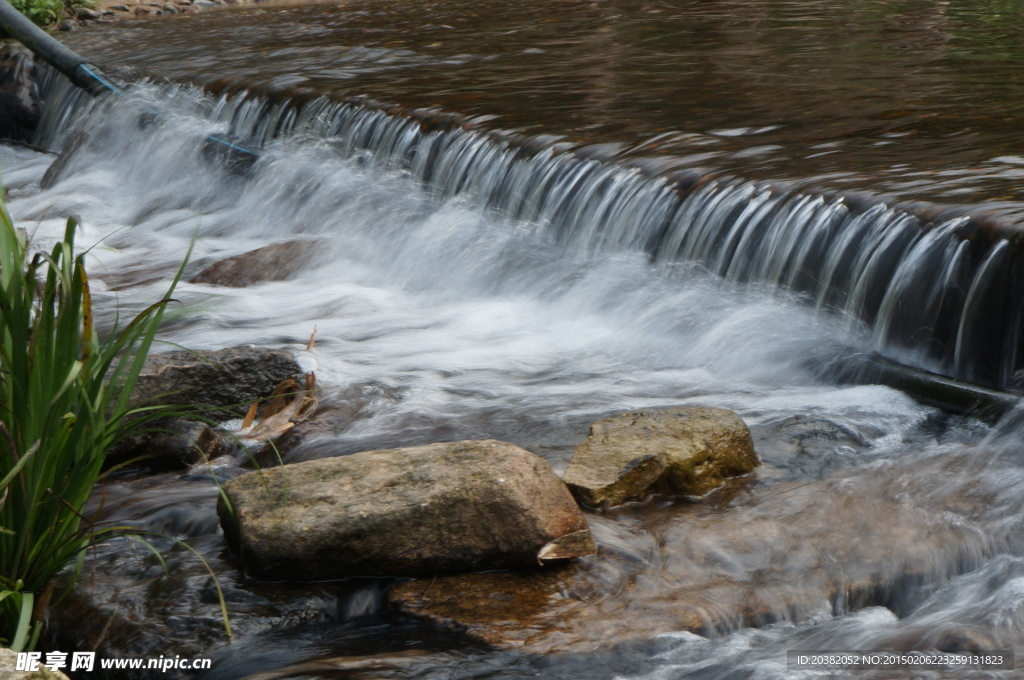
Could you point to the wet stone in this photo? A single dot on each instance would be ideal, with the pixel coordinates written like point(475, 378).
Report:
point(676, 451)
point(449, 507)
point(226, 380)
point(276, 262)
point(787, 552)
point(175, 445)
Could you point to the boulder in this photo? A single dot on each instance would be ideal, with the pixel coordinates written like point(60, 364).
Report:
point(678, 451)
point(276, 262)
point(449, 507)
point(227, 380)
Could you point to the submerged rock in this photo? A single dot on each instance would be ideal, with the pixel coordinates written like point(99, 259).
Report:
point(677, 451)
point(276, 262)
point(226, 380)
point(784, 552)
point(457, 506)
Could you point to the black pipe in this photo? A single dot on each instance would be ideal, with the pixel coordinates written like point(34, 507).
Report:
point(78, 70)
point(87, 76)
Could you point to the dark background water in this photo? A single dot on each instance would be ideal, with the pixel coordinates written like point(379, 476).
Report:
point(920, 99)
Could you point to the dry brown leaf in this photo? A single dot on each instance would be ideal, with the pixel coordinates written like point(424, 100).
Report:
point(287, 405)
point(250, 416)
point(286, 392)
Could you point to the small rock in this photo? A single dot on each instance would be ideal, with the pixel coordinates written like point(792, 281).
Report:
point(228, 380)
point(174, 445)
point(120, 8)
point(204, 4)
point(449, 507)
point(142, 11)
point(109, 13)
point(276, 262)
point(68, 25)
point(9, 661)
point(86, 13)
point(678, 451)
point(170, 9)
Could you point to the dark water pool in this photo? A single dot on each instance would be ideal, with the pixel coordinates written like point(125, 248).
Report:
point(921, 99)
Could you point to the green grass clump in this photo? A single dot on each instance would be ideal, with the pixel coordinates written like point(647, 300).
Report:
point(64, 400)
point(48, 12)
point(42, 12)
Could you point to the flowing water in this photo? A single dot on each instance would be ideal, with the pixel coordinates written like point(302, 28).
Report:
point(529, 218)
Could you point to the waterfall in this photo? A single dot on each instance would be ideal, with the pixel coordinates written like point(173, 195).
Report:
point(939, 289)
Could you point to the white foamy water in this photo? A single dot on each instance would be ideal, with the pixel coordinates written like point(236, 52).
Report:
point(470, 317)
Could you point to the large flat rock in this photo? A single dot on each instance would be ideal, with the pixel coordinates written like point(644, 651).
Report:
point(456, 506)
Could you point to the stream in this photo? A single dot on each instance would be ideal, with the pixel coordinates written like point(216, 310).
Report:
point(528, 218)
